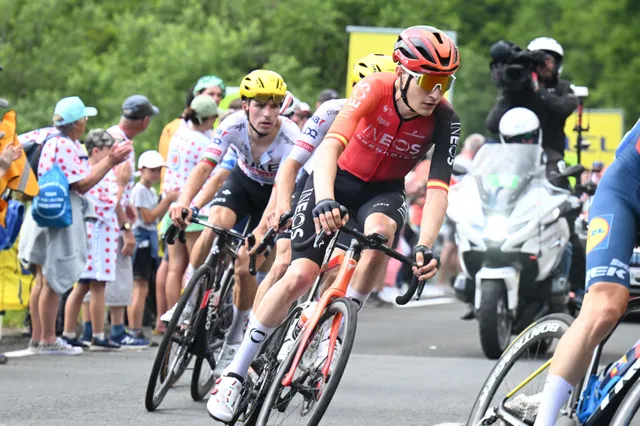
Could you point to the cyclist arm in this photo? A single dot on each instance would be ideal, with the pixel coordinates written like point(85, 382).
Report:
point(445, 137)
point(220, 174)
point(285, 184)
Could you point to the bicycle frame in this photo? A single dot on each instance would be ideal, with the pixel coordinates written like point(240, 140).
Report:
point(348, 264)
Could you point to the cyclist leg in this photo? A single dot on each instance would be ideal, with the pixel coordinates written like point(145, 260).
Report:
point(383, 214)
point(278, 269)
point(612, 237)
point(272, 309)
point(244, 291)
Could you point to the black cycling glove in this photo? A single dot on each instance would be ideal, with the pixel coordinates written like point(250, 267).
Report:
point(427, 255)
point(325, 206)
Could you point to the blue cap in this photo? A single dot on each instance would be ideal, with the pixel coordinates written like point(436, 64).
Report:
point(72, 109)
point(137, 107)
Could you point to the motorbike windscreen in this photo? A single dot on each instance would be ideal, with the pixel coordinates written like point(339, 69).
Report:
point(503, 170)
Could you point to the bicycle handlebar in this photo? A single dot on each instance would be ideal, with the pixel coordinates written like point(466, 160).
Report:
point(373, 242)
point(267, 240)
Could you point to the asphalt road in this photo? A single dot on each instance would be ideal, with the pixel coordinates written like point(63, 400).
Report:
point(410, 366)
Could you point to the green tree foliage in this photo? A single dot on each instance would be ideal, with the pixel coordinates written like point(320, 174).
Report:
point(107, 50)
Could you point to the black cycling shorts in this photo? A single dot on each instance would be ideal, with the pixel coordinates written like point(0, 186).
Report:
point(244, 196)
point(363, 198)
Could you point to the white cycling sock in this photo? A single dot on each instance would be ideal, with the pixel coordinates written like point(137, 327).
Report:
point(236, 331)
point(357, 297)
point(251, 344)
point(260, 276)
point(555, 394)
point(188, 274)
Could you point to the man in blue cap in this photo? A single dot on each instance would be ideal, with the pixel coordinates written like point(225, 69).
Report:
point(57, 256)
point(137, 111)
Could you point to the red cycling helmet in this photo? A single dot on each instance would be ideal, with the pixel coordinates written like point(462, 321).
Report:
point(426, 50)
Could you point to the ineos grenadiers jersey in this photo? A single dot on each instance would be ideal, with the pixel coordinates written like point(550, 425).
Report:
point(234, 131)
point(314, 132)
point(382, 147)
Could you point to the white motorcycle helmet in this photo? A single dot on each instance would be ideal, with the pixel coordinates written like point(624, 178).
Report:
point(551, 46)
point(520, 125)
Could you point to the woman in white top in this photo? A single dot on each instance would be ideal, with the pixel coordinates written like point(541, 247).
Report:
point(185, 150)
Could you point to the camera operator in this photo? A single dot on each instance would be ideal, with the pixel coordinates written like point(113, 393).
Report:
point(531, 79)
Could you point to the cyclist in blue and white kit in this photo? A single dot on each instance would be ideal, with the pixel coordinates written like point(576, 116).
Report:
point(613, 226)
point(262, 140)
point(294, 172)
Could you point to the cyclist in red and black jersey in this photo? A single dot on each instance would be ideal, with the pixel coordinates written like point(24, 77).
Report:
point(388, 124)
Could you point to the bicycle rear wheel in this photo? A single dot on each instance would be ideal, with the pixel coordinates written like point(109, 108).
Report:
point(309, 395)
point(179, 335)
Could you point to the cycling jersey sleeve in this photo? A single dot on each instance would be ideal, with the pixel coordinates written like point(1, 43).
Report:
point(364, 99)
point(230, 158)
point(315, 130)
point(222, 138)
point(445, 138)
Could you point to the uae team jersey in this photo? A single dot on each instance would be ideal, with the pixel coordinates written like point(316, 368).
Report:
point(234, 131)
point(314, 131)
point(381, 147)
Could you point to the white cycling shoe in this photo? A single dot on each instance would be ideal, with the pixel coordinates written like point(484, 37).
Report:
point(224, 399)
point(229, 350)
point(323, 352)
point(186, 313)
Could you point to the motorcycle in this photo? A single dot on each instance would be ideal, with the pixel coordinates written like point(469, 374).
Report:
point(512, 235)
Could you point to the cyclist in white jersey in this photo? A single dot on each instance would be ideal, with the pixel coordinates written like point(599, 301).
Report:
point(312, 134)
point(263, 140)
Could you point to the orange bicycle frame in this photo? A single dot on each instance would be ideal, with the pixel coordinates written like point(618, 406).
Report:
point(337, 289)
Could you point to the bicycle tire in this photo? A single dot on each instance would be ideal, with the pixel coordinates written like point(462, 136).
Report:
point(152, 401)
point(197, 389)
point(349, 311)
point(269, 352)
point(628, 408)
point(511, 355)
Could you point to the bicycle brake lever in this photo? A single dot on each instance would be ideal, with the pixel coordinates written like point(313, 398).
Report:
point(420, 289)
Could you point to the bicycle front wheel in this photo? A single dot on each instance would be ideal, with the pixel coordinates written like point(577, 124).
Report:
point(178, 336)
point(307, 398)
point(522, 358)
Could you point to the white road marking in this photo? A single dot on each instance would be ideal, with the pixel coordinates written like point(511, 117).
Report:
point(19, 354)
point(428, 302)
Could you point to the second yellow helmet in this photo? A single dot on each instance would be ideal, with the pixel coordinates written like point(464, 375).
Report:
point(372, 63)
point(263, 85)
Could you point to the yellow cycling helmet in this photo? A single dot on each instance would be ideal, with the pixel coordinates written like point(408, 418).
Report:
point(263, 85)
point(372, 63)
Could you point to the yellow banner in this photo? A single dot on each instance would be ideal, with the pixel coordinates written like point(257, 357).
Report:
point(606, 128)
point(366, 40)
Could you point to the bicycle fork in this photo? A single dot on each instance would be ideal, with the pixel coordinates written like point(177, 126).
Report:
point(337, 289)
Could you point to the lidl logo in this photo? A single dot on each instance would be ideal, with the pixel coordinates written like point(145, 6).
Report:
point(598, 234)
